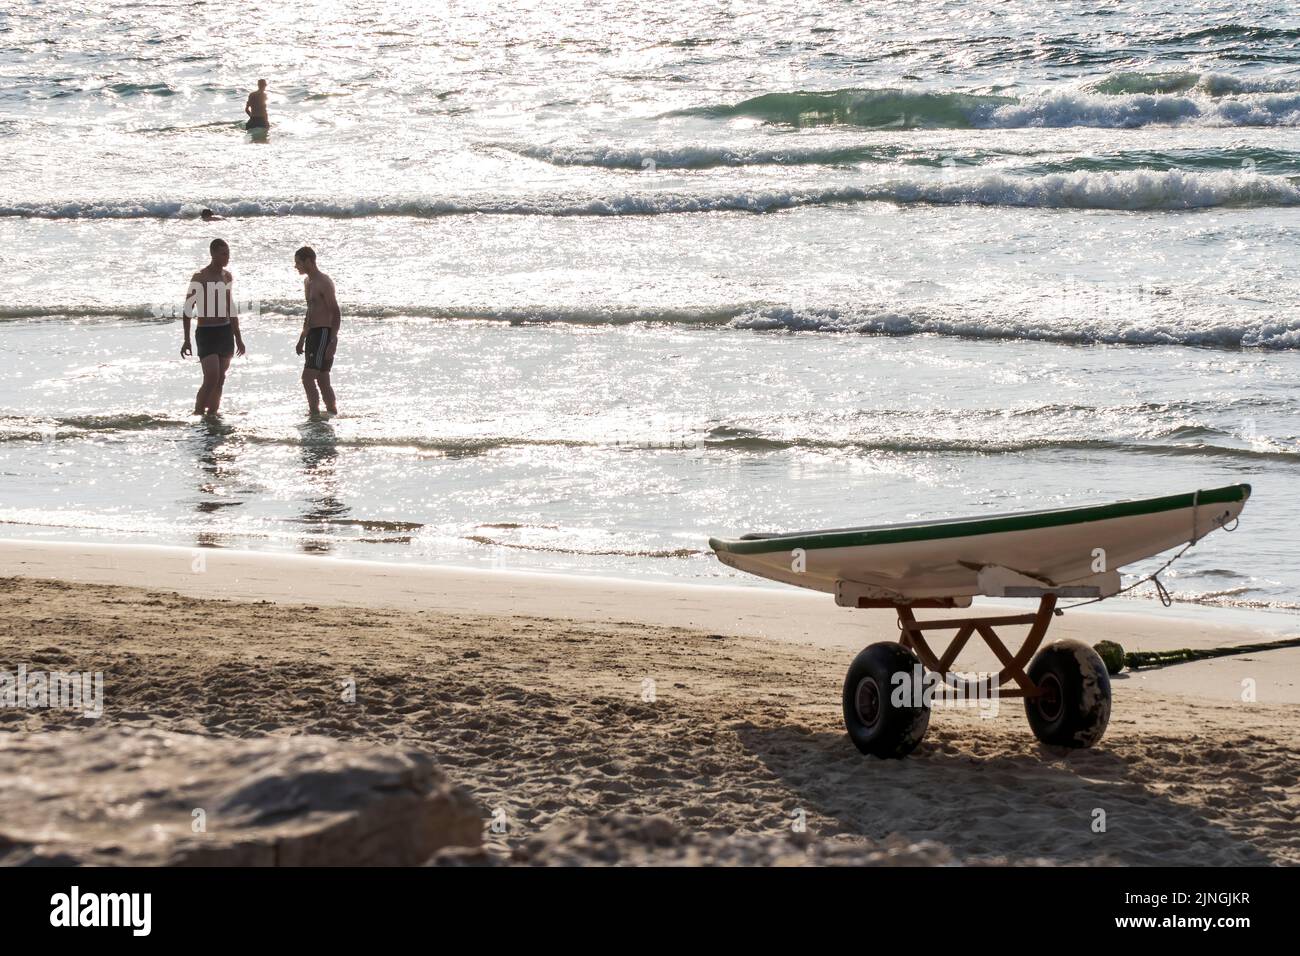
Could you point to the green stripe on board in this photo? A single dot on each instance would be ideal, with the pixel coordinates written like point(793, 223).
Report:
point(968, 527)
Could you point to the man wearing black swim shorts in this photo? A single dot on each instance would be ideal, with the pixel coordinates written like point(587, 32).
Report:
point(209, 301)
point(320, 332)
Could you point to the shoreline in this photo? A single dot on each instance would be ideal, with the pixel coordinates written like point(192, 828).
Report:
point(789, 616)
point(1278, 621)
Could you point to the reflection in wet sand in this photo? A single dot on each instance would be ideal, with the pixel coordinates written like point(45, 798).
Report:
point(319, 460)
point(216, 449)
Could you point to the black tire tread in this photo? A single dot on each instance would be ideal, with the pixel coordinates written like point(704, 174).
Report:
point(1086, 695)
point(901, 729)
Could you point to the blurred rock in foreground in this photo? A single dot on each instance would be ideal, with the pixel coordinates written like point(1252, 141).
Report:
point(131, 797)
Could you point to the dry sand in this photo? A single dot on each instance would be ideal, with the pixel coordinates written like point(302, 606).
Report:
point(546, 718)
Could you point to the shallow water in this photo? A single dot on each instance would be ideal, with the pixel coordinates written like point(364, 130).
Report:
point(613, 282)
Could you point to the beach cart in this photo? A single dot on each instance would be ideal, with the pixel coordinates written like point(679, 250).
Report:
point(1041, 555)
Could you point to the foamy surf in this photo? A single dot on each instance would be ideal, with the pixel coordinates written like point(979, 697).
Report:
point(703, 156)
point(897, 108)
point(1070, 326)
point(1078, 330)
point(1115, 190)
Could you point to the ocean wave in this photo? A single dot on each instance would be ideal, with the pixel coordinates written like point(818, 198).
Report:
point(31, 428)
point(1208, 83)
point(1131, 190)
point(918, 438)
point(1138, 110)
point(136, 89)
point(73, 428)
point(902, 109)
point(589, 552)
point(705, 156)
point(743, 440)
point(19, 313)
point(190, 127)
point(1070, 329)
point(1232, 598)
point(121, 90)
point(1268, 335)
point(875, 108)
point(635, 204)
point(292, 309)
point(363, 524)
point(1237, 158)
point(1227, 31)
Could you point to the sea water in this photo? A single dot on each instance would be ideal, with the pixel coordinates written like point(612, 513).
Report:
point(619, 276)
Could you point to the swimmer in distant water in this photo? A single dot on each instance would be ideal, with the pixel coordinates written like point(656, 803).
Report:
point(208, 215)
point(256, 108)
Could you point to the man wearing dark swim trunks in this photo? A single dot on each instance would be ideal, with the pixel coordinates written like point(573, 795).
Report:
point(255, 108)
point(210, 302)
point(320, 332)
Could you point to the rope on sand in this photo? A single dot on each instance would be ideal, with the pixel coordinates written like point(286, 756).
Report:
point(1115, 658)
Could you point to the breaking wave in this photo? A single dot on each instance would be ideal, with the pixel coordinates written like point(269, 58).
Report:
point(903, 109)
point(1141, 189)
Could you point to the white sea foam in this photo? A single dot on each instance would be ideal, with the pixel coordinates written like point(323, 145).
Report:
point(1118, 190)
point(1079, 330)
point(1119, 328)
point(1136, 110)
point(889, 108)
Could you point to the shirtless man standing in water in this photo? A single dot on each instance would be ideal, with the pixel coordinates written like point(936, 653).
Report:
point(255, 108)
point(210, 301)
point(320, 331)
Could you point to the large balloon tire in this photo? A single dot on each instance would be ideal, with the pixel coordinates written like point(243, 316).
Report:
point(1073, 707)
point(875, 722)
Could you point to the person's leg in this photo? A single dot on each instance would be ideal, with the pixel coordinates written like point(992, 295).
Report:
point(211, 365)
point(327, 392)
point(309, 385)
point(214, 397)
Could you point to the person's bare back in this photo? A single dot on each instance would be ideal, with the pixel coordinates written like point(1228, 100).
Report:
point(255, 108)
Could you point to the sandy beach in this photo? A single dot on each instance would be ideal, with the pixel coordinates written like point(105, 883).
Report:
point(612, 721)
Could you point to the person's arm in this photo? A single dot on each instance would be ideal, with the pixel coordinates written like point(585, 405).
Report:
point(248, 105)
point(302, 336)
point(233, 312)
point(187, 312)
point(338, 320)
